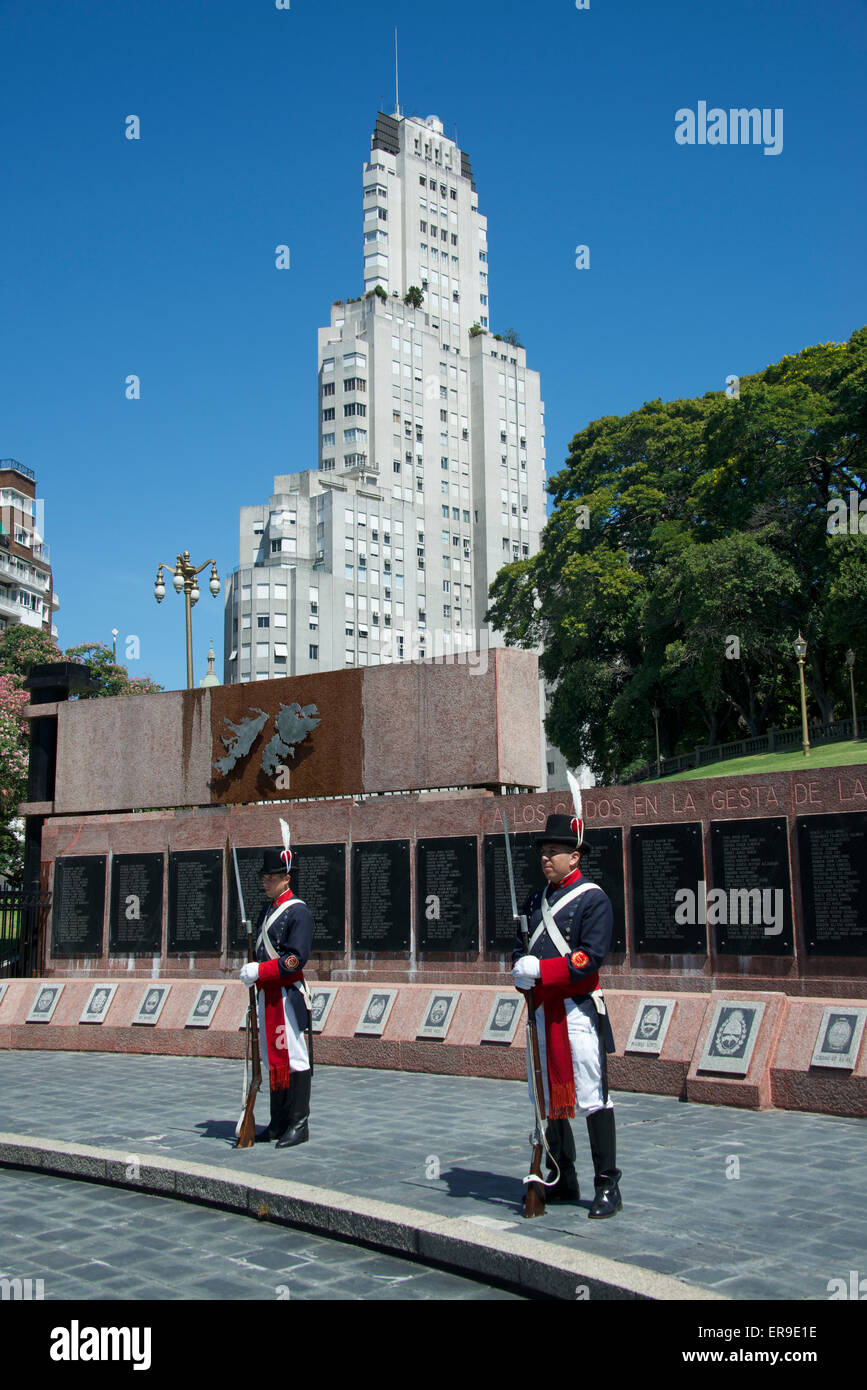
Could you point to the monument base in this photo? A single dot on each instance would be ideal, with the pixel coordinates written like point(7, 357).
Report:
point(738, 1048)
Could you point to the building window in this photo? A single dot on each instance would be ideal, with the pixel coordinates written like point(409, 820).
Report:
point(313, 652)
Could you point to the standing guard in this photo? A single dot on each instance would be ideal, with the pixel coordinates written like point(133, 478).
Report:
point(283, 945)
point(570, 924)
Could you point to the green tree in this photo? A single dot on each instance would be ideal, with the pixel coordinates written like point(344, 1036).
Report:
point(113, 679)
point(685, 524)
point(414, 297)
point(21, 647)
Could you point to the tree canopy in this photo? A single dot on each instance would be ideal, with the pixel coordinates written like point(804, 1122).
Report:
point(690, 541)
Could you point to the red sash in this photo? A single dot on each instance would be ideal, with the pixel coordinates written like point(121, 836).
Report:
point(272, 984)
point(558, 1054)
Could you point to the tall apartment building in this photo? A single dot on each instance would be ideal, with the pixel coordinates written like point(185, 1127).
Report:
point(431, 447)
point(26, 585)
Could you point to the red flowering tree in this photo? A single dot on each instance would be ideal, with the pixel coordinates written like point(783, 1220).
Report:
point(14, 732)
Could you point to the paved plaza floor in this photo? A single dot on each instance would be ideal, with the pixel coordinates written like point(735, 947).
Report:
point(754, 1205)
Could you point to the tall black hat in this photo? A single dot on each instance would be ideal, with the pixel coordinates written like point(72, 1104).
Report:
point(276, 861)
point(561, 830)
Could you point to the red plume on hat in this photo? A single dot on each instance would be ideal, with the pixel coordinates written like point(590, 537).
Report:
point(577, 821)
point(286, 853)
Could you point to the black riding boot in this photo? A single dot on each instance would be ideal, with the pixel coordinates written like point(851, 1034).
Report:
point(561, 1142)
point(280, 1118)
point(606, 1174)
point(299, 1111)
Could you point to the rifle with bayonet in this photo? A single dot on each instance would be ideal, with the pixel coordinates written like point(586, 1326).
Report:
point(245, 1129)
point(534, 1197)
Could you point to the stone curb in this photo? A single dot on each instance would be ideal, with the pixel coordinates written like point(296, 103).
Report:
point(457, 1243)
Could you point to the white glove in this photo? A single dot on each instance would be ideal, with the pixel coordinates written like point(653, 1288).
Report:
point(526, 972)
point(249, 974)
point(529, 965)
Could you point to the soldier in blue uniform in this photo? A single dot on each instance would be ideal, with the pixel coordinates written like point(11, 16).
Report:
point(283, 944)
point(570, 924)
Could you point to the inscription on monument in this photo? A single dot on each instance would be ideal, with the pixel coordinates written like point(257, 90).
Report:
point(136, 911)
point(380, 895)
point(602, 864)
point(195, 901)
point(499, 925)
point(79, 905)
point(447, 889)
point(750, 905)
point(833, 853)
point(319, 880)
point(250, 871)
point(665, 860)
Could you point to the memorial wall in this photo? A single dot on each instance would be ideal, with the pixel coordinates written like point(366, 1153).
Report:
point(709, 890)
point(738, 963)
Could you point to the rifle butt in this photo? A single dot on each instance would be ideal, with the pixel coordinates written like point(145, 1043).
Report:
point(534, 1198)
point(247, 1131)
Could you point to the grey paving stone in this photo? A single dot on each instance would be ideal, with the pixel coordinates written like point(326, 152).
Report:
point(672, 1154)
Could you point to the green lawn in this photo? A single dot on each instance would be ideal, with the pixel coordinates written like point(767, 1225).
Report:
point(828, 755)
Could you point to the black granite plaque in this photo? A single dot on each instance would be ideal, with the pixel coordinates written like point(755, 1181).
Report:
point(195, 901)
point(79, 905)
point(381, 903)
point(749, 908)
point(250, 870)
point(602, 864)
point(319, 880)
point(136, 909)
point(833, 854)
point(527, 866)
point(668, 889)
point(447, 894)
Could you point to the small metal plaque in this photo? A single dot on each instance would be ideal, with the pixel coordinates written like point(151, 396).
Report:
point(44, 1004)
point(503, 1019)
point(374, 1015)
point(202, 1012)
point(97, 1005)
point(839, 1037)
point(323, 998)
point(731, 1038)
point(152, 1002)
point(439, 1013)
point(650, 1025)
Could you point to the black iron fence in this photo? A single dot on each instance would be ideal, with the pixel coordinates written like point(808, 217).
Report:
point(23, 913)
point(774, 741)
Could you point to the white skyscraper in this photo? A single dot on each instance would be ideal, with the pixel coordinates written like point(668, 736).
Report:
point(431, 451)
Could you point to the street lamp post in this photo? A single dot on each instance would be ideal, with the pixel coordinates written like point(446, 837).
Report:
point(801, 652)
point(850, 662)
point(654, 710)
point(184, 578)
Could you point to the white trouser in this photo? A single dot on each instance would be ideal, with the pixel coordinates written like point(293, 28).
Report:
point(586, 1062)
point(294, 1032)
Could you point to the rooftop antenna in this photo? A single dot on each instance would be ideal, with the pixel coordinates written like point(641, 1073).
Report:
point(396, 87)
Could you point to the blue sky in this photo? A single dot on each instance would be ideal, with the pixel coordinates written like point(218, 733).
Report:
point(156, 256)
